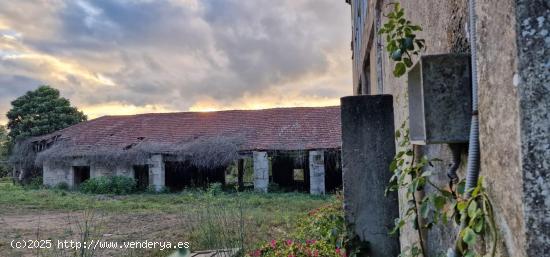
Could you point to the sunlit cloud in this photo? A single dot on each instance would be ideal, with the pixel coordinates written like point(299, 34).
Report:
point(136, 56)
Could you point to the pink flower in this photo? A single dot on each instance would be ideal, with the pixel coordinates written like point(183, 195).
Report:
point(273, 243)
point(289, 242)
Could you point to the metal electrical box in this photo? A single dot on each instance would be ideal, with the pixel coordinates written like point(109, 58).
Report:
point(440, 99)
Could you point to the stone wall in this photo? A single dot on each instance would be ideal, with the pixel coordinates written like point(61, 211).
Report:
point(513, 73)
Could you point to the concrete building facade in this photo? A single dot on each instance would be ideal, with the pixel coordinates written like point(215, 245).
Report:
point(513, 43)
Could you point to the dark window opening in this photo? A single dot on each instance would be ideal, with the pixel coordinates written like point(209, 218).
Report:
point(81, 174)
point(181, 175)
point(291, 172)
point(141, 175)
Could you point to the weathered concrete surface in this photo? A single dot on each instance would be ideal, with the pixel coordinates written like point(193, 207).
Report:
point(367, 151)
point(440, 90)
point(317, 172)
point(533, 83)
point(261, 171)
point(443, 27)
point(499, 119)
point(157, 172)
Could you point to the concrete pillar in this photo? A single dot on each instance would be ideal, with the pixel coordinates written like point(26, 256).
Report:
point(157, 172)
point(368, 148)
point(317, 172)
point(261, 171)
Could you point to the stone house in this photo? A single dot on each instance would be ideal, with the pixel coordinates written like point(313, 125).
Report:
point(177, 150)
point(513, 80)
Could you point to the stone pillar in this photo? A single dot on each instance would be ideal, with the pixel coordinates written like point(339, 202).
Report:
point(368, 148)
point(157, 172)
point(261, 171)
point(317, 172)
point(533, 84)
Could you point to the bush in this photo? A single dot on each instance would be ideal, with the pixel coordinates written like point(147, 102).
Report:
point(215, 188)
point(325, 223)
point(35, 183)
point(322, 232)
point(109, 185)
point(62, 186)
point(308, 248)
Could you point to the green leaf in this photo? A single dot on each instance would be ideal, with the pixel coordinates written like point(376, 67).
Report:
point(397, 133)
point(469, 236)
point(472, 208)
point(393, 165)
point(478, 227)
point(446, 193)
point(416, 28)
point(399, 69)
point(407, 62)
point(396, 7)
point(439, 202)
point(461, 206)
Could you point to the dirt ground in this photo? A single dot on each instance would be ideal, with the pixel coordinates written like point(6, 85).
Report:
point(24, 224)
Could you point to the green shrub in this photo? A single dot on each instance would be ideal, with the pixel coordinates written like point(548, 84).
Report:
point(325, 223)
point(63, 186)
point(35, 183)
point(277, 248)
point(215, 188)
point(108, 185)
point(322, 232)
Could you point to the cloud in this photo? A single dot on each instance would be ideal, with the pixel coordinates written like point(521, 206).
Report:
point(131, 56)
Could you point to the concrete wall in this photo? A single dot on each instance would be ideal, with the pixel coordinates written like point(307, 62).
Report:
point(367, 151)
point(514, 85)
point(55, 173)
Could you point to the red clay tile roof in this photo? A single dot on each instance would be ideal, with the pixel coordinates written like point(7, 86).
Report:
point(299, 128)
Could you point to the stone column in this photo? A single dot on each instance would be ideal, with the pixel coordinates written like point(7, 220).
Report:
point(368, 148)
point(317, 172)
point(261, 171)
point(157, 172)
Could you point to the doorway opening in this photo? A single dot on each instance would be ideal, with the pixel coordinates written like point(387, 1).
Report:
point(81, 174)
point(141, 175)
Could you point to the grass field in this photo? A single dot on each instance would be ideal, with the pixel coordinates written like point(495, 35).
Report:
point(204, 219)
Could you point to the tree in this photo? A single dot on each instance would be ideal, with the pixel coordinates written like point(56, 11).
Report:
point(4, 142)
point(40, 112)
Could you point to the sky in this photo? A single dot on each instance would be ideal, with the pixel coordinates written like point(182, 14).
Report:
point(114, 57)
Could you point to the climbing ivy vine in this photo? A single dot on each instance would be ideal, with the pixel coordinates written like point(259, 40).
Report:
point(401, 41)
point(441, 206)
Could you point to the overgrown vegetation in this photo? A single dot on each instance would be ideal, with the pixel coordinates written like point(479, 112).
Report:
point(118, 185)
point(442, 206)
point(401, 41)
point(322, 232)
point(208, 219)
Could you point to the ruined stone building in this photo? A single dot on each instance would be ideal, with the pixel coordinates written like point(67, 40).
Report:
point(513, 92)
point(178, 150)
